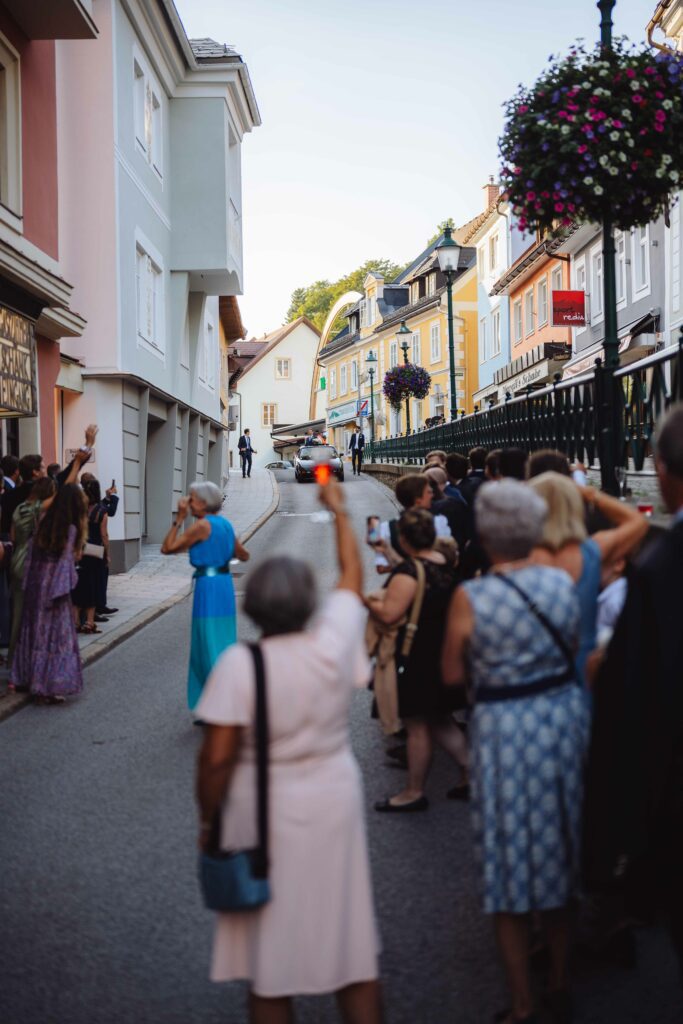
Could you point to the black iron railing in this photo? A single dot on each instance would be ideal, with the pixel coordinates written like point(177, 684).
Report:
point(567, 415)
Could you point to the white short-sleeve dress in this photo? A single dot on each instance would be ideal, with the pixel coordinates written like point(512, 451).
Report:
point(318, 932)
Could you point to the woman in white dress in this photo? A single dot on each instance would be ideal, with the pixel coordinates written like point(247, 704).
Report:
point(317, 934)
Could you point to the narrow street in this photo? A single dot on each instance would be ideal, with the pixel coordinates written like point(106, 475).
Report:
point(100, 916)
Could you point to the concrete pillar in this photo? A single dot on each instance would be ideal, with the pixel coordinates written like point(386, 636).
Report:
point(161, 443)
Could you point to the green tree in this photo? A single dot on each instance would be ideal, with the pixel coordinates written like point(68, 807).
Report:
point(448, 223)
point(316, 300)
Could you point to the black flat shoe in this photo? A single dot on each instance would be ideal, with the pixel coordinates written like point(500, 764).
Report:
point(460, 792)
point(386, 806)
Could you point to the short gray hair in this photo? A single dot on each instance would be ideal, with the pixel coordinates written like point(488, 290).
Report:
point(281, 595)
point(209, 493)
point(510, 518)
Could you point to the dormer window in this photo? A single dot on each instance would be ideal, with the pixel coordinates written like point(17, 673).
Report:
point(414, 291)
point(363, 313)
point(431, 284)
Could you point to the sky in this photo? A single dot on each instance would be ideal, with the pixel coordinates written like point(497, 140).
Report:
point(380, 119)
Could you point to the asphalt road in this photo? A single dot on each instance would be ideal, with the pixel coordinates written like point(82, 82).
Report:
point(100, 916)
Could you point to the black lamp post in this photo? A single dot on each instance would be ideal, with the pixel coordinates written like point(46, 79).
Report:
point(448, 253)
point(608, 410)
point(404, 333)
point(371, 362)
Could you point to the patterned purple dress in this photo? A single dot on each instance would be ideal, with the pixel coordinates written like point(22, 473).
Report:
point(47, 661)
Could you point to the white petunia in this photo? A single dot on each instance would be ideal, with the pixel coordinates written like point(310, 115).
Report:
point(604, 160)
point(565, 129)
point(666, 159)
point(660, 172)
point(588, 181)
point(614, 136)
point(614, 171)
point(667, 104)
point(674, 175)
point(598, 190)
point(635, 84)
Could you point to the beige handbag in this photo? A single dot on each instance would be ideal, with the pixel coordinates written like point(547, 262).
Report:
point(93, 550)
point(380, 641)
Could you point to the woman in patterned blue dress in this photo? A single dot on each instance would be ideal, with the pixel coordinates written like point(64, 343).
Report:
point(512, 634)
point(211, 543)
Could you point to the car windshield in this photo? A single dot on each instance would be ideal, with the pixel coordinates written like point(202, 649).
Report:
point(322, 451)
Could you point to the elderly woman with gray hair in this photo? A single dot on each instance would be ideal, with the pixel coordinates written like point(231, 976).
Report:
point(512, 635)
point(317, 934)
point(212, 544)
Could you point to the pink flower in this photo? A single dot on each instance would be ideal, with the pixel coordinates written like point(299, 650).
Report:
point(546, 195)
point(659, 95)
point(618, 124)
point(650, 70)
point(559, 207)
point(637, 98)
point(571, 207)
point(522, 109)
point(566, 221)
point(634, 165)
point(531, 196)
point(630, 73)
point(660, 115)
point(658, 126)
point(583, 149)
point(562, 113)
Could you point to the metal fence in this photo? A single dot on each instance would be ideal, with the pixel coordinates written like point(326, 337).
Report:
point(567, 415)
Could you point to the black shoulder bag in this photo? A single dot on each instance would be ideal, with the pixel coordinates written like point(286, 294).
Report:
point(237, 880)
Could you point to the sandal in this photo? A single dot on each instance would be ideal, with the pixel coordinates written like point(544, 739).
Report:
point(88, 629)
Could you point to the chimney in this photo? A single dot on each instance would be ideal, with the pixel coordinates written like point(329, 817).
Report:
point(491, 192)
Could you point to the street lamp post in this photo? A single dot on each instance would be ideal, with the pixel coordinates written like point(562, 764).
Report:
point(607, 395)
point(448, 253)
point(404, 333)
point(370, 362)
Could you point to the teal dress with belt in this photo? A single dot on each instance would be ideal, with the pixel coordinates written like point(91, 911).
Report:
point(214, 621)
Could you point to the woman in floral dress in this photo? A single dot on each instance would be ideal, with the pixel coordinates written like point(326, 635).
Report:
point(47, 661)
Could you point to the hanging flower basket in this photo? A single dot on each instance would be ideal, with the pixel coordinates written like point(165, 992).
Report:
point(405, 381)
point(601, 129)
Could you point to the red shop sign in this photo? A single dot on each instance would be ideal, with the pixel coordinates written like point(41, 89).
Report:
point(569, 309)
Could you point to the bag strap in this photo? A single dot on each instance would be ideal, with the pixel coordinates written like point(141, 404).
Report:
point(544, 620)
point(414, 617)
point(261, 852)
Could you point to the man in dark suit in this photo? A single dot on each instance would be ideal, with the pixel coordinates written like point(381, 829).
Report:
point(356, 446)
point(246, 452)
point(634, 794)
point(475, 478)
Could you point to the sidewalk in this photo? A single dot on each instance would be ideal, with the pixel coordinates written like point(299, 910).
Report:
point(157, 582)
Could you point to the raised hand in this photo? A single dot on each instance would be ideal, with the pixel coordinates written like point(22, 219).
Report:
point(91, 434)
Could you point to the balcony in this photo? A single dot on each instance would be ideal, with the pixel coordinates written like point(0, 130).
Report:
point(56, 19)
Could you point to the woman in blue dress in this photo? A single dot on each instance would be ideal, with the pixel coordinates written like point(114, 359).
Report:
point(512, 635)
point(211, 543)
point(566, 545)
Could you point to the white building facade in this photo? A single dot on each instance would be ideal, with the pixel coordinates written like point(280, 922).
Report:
point(275, 388)
point(149, 148)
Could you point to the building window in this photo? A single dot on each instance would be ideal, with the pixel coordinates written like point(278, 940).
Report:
point(529, 326)
point(393, 354)
point(580, 285)
point(343, 375)
point(435, 343)
point(517, 320)
point(620, 246)
point(431, 284)
point(556, 280)
point(268, 414)
point(641, 259)
point(149, 280)
point(414, 292)
point(363, 313)
point(10, 131)
point(542, 295)
point(333, 383)
point(354, 375)
point(283, 369)
point(596, 287)
point(147, 115)
point(417, 353)
point(207, 357)
point(495, 333)
point(483, 340)
point(493, 253)
point(438, 401)
point(417, 414)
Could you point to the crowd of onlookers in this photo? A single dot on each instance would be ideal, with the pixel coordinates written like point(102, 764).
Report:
point(54, 567)
point(528, 624)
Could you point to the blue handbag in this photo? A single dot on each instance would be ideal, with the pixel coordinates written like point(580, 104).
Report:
point(237, 880)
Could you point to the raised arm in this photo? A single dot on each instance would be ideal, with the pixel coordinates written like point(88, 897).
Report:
point(350, 566)
point(174, 544)
point(629, 525)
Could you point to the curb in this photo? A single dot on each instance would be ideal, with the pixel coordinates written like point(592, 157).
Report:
point(93, 652)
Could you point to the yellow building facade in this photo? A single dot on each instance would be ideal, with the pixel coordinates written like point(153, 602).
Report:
point(417, 298)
